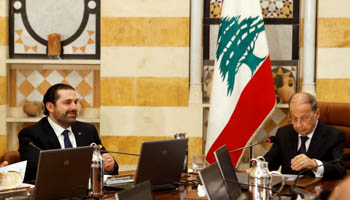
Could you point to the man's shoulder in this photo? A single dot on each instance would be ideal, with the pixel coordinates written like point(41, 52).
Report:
point(37, 129)
point(36, 125)
point(285, 129)
point(285, 133)
point(331, 129)
point(82, 124)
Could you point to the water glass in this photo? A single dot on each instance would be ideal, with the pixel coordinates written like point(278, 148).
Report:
point(198, 163)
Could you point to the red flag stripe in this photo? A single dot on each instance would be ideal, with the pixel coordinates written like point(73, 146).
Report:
point(255, 103)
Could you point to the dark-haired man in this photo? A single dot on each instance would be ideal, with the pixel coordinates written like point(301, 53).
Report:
point(307, 143)
point(59, 129)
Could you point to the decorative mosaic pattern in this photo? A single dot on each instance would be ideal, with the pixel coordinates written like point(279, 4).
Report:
point(215, 8)
point(270, 8)
point(285, 82)
point(277, 8)
point(30, 28)
point(31, 84)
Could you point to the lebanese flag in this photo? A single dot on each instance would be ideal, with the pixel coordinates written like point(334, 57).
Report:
point(242, 95)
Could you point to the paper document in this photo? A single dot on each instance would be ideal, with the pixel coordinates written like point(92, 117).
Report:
point(290, 177)
point(12, 176)
point(16, 167)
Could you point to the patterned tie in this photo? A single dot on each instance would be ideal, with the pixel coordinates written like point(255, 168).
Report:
point(67, 143)
point(302, 149)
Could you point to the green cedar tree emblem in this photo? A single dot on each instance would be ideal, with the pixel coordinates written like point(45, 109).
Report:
point(236, 43)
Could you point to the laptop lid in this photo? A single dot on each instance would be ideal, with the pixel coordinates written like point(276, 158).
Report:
point(213, 183)
point(161, 162)
point(140, 191)
point(228, 172)
point(63, 173)
point(231, 176)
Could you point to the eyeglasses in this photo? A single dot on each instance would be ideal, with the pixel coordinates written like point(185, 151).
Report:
point(304, 120)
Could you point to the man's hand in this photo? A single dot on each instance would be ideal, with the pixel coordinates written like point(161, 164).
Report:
point(3, 164)
point(301, 161)
point(108, 162)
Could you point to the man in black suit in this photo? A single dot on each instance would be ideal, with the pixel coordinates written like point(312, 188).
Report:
point(322, 143)
point(59, 129)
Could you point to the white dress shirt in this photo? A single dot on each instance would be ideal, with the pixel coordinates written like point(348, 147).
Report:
point(320, 168)
point(59, 130)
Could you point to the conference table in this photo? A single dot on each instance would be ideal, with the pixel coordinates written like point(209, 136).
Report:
point(189, 192)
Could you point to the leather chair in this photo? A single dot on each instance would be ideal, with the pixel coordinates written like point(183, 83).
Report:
point(338, 115)
point(11, 157)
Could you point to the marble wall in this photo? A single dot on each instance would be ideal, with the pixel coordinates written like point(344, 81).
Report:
point(144, 71)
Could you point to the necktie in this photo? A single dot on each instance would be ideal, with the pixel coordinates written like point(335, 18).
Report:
point(302, 149)
point(67, 143)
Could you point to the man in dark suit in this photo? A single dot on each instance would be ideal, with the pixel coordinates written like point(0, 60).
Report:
point(307, 143)
point(59, 129)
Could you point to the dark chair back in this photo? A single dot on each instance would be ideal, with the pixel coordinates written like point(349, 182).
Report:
point(337, 115)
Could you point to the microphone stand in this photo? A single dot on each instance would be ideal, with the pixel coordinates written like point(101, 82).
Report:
point(250, 149)
point(249, 146)
point(123, 153)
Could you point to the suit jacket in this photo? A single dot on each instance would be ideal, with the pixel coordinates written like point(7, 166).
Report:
point(327, 144)
point(43, 136)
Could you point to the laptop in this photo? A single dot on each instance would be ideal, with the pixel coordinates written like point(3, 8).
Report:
point(213, 183)
point(161, 162)
point(63, 173)
point(230, 175)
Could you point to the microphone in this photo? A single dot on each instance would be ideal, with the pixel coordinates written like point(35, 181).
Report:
point(271, 139)
point(27, 141)
point(292, 188)
point(123, 153)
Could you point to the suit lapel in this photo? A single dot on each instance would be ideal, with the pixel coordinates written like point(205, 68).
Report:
point(78, 135)
point(51, 135)
point(293, 144)
point(316, 143)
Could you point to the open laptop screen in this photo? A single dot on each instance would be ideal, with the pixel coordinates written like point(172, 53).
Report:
point(213, 182)
point(63, 173)
point(161, 162)
point(228, 172)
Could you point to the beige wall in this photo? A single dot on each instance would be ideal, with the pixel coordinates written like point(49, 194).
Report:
point(144, 75)
point(333, 50)
point(3, 78)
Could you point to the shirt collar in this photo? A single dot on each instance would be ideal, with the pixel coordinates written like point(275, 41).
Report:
point(57, 128)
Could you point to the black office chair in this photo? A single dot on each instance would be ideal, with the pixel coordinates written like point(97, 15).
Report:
point(140, 191)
